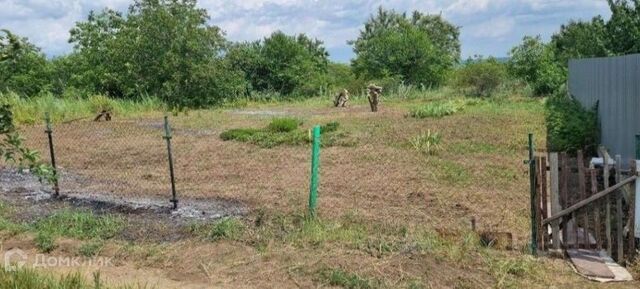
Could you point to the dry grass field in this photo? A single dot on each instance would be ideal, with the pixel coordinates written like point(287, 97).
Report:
point(390, 216)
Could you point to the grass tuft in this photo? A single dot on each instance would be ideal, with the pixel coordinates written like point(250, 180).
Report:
point(339, 277)
point(91, 248)
point(427, 143)
point(227, 229)
point(45, 242)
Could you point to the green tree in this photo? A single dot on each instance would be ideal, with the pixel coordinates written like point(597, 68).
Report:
point(534, 62)
point(579, 39)
point(282, 63)
point(161, 47)
point(623, 28)
point(420, 49)
point(23, 68)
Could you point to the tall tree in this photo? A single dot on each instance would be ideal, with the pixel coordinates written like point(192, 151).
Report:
point(161, 47)
point(579, 39)
point(287, 64)
point(420, 49)
point(23, 68)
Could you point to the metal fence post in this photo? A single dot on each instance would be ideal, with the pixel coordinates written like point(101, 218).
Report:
point(167, 137)
point(52, 154)
point(315, 166)
point(534, 211)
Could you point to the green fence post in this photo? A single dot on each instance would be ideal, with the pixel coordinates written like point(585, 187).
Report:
point(167, 137)
point(315, 167)
point(52, 154)
point(532, 183)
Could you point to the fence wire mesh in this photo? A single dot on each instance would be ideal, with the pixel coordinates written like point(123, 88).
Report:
point(128, 159)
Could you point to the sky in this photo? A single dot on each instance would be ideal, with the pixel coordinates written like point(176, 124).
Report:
point(488, 27)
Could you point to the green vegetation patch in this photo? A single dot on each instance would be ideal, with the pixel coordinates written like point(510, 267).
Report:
point(436, 109)
point(83, 225)
point(570, 127)
point(283, 131)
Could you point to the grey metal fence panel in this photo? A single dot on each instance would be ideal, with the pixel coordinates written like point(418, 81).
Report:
point(615, 83)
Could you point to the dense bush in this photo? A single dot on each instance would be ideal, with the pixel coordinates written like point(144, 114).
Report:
point(420, 49)
point(480, 77)
point(288, 65)
point(534, 62)
point(570, 127)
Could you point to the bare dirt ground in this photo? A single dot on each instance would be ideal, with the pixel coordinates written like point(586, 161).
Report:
point(378, 179)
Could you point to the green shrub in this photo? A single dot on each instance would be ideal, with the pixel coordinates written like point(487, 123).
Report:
point(283, 124)
point(427, 143)
point(436, 109)
point(570, 127)
point(481, 77)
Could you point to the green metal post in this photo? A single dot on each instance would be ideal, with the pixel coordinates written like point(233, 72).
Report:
point(315, 167)
point(167, 137)
point(52, 154)
point(532, 182)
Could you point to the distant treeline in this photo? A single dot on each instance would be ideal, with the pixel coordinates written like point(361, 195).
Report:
point(167, 49)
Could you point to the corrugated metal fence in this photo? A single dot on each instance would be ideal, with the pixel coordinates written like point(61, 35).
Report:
point(615, 82)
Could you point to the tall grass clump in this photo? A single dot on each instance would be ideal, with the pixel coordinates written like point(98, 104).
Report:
point(32, 110)
point(427, 142)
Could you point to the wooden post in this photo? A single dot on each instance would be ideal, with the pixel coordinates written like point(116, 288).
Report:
point(545, 200)
point(594, 190)
point(564, 194)
point(538, 204)
point(555, 199)
point(619, 226)
point(607, 203)
point(582, 187)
